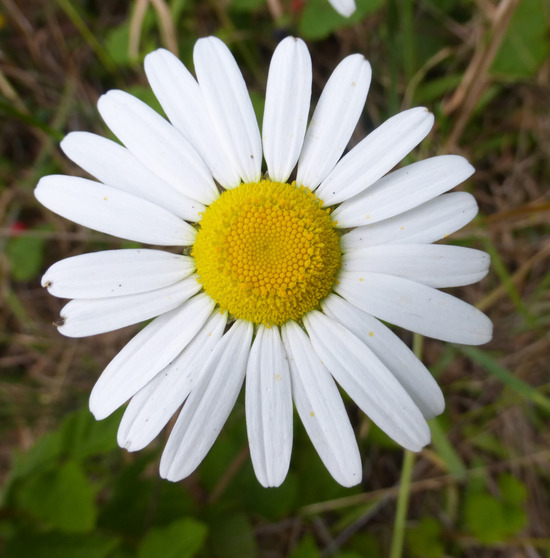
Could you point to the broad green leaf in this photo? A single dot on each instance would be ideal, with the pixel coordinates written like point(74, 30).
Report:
point(60, 545)
point(496, 518)
point(26, 257)
point(83, 436)
point(424, 539)
point(525, 46)
point(41, 456)
point(116, 44)
point(61, 498)
point(181, 539)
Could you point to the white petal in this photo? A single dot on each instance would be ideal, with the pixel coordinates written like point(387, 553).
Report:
point(154, 404)
point(427, 223)
point(158, 145)
point(83, 317)
point(367, 381)
point(398, 358)
point(321, 408)
point(415, 307)
point(269, 407)
point(403, 189)
point(115, 166)
point(334, 120)
point(343, 7)
point(434, 265)
point(151, 350)
point(112, 211)
point(180, 97)
point(286, 107)
point(209, 404)
point(116, 273)
point(376, 155)
point(226, 97)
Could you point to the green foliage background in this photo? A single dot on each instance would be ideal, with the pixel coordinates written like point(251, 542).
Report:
point(481, 489)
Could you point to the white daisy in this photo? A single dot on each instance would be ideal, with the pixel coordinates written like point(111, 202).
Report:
point(281, 283)
point(343, 7)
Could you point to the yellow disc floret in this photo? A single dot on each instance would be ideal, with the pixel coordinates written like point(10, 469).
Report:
point(267, 252)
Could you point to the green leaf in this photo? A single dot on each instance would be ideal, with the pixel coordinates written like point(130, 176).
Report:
point(512, 489)
point(525, 46)
point(57, 545)
point(83, 436)
point(484, 517)
point(181, 539)
point(116, 44)
point(26, 257)
point(494, 519)
point(61, 498)
point(424, 539)
point(41, 456)
point(319, 19)
point(232, 535)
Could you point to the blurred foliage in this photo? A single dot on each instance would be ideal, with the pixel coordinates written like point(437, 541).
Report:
point(74, 494)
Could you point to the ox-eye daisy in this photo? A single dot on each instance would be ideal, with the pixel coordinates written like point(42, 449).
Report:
point(282, 283)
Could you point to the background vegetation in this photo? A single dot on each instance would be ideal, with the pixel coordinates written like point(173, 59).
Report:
point(481, 489)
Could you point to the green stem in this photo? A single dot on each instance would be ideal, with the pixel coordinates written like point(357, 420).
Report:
point(398, 536)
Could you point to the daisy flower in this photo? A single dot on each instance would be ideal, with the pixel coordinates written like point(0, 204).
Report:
point(280, 284)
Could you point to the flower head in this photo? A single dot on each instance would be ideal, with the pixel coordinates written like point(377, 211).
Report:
point(282, 283)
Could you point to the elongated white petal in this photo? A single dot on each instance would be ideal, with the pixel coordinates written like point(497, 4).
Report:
point(415, 307)
point(403, 189)
point(180, 97)
point(154, 404)
point(427, 223)
point(398, 358)
point(343, 7)
point(116, 273)
point(158, 145)
point(112, 211)
point(209, 404)
point(231, 112)
point(151, 350)
point(334, 120)
point(376, 155)
point(269, 407)
point(321, 408)
point(367, 381)
point(434, 265)
point(83, 317)
point(286, 110)
point(115, 166)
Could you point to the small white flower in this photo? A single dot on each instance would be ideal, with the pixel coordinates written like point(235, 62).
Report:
point(344, 7)
point(281, 283)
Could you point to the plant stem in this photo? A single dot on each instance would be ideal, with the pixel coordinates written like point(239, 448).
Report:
point(398, 536)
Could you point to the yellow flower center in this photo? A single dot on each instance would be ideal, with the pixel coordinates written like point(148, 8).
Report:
point(266, 252)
